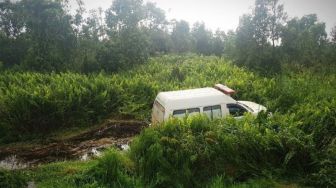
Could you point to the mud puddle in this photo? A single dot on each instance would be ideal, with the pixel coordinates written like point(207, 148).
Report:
point(80, 147)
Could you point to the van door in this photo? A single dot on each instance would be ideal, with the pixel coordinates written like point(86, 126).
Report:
point(158, 113)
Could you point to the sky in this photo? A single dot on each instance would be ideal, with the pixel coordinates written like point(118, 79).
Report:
point(224, 14)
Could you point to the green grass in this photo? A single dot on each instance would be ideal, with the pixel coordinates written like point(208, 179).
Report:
point(60, 174)
point(220, 182)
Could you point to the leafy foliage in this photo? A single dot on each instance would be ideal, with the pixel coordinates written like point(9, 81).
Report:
point(189, 152)
point(297, 141)
point(43, 35)
point(10, 179)
point(35, 102)
point(113, 170)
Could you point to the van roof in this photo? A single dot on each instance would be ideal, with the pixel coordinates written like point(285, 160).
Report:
point(192, 98)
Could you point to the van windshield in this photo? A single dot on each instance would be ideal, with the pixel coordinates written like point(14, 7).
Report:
point(236, 110)
point(248, 108)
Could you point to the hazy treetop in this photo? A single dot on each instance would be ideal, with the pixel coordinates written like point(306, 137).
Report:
point(224, 14)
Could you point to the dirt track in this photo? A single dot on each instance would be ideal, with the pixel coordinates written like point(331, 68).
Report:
point(110, 133)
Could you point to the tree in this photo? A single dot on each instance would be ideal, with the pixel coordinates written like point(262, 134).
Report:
point(333, 34)
point(50, 31)
point(155, 25)
point(181, 36)
point(155, 18)
point(202, 39)
point(127, 37)
point(246, 43)
point(277, 19)
point(91, 33)
point(304, 39)
point(78, 18)
point(40, 31)
point(218, 43)
point(11, 18)
point(260, 21)
point(13, 41)
point(124, 14)
point(230, 45)
point(160, 41)
point(94, 26)
point(257, 35)
point(268, 17)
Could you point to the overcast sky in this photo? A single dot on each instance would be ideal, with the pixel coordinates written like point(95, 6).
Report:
point(224, 14)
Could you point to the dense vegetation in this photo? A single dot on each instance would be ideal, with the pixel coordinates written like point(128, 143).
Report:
point(298, 141)
point(201, 153)
point(45, 35)
point(39, 103)
point(60, 70)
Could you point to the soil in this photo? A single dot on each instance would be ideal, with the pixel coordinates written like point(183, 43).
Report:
point(118, 133)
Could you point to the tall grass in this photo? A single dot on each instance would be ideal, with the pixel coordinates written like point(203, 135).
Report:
point(32, 103)
point(12, 179)
point(38, 103)
point(189, 153)
point(298, 140)
point(197, 152)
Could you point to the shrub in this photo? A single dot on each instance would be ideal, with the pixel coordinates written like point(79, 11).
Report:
point(113, 169)
point(11, 179)
point(190, 152)
point(325, 174)
point(1, 65)
point(223, 182)
point(40, 103)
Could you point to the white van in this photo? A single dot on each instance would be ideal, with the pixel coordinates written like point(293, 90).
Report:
point(214, 102)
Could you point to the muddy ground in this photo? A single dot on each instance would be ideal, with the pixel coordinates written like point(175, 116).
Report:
point(118, 133)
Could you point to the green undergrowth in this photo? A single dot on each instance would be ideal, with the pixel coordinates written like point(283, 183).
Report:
point(12, 179)
point(191, 152)
point(297, 144)
point(198, 152)
point(33, 105)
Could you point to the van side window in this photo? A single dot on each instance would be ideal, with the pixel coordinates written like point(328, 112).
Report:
point(193, 111)
point(190, 112)
point(236, 110)
point(179, 113)
point(213, 112)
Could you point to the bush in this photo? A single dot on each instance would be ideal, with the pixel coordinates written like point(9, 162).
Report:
point(325, 174)
point(113, 170)
point(190, 152)
point(40, 103)
point(222, 182)
point(11, 179)
point(1, 65)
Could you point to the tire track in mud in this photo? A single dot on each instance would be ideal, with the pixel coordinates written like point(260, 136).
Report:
point(118, 133)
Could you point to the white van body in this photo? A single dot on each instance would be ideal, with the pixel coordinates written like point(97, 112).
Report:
point(210, 101)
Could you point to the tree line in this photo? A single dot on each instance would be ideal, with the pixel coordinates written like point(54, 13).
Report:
point(44, 35)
